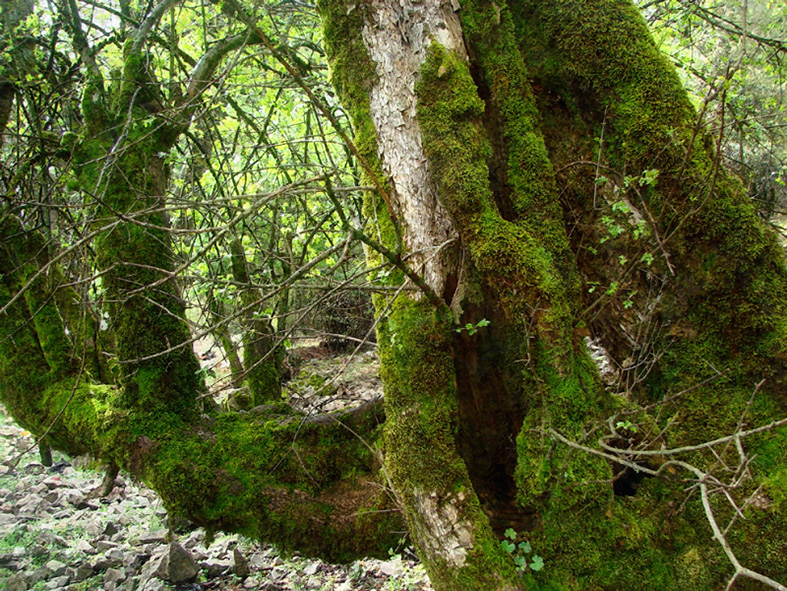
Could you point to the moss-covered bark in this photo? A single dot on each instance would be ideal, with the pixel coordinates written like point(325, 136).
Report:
point(493, 146)
point(262, 355)
point(307, 484)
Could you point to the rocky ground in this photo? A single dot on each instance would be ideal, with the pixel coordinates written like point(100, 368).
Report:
point(54, 535)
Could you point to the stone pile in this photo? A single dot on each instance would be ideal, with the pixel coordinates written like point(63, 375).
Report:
point(55, 536)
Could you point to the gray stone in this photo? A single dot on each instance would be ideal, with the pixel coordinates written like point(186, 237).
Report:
point(175, 565)
point(311, 569)
point(104, 545)
point(102, 563)
point(54, 482)
point(84, 547)
point(56, 584)
point(38, 575)
point(215, 568)
point(84, 571)
point(153, 585)
point(16, 583)
point(56, 568)
point(240, 565)
point(110, 529)
point(114, 575)
point(258, 561)
point(153, 537)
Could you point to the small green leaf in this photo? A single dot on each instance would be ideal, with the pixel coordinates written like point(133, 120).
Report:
point(525, 547)
point(510, 533)
point(520, 561)
point(538, 563)
point(507, 546)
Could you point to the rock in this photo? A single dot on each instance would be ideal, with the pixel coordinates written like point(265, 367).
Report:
point(175, 565)
point(114, 575)
point(34, 468)
point(215, 568)
point(258, 561)
point(240, 564)
point(53, 482)
point(18, 552)
point(134, 561)
point(84, 571)
point(56, 584)
point(311, 569)
point(56, 568)
point(37, 575)
point(72, 497)
point(251, 583)
point(278, 573)
point(390, 568)
point(102, 563)
point(110, 529)
point(313, 583)
point(154, 537)
point(153, 585)
point(84, 547)
point(16, 583)
point(104, 545)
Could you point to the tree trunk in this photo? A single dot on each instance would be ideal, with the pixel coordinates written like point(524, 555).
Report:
point(482, 122)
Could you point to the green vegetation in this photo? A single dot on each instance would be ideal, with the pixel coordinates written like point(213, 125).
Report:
point(179, 182)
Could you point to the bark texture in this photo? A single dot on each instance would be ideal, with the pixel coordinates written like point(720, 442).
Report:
point(509, 105)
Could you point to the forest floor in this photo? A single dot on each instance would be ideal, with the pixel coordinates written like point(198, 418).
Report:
point(54, 536)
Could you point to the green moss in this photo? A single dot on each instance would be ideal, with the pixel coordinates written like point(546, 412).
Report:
point(270, 475)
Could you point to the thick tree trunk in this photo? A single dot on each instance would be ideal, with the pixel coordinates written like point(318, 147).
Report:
point(444, 110)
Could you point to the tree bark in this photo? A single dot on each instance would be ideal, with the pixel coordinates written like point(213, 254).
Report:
point(483, 121)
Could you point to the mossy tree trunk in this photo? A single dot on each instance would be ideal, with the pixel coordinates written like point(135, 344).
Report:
point(483, 121)
point(262, 354)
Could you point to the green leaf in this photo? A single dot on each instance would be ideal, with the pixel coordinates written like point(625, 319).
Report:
point(538, 563)
point(507, 546)
point(525, 547)
point(520, 561)
point(510, 533)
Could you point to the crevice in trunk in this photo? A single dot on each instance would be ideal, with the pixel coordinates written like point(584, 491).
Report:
point(490, 412)
point(498, 161)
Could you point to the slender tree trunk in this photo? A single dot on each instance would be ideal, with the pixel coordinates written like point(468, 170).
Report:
point(262, 356)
